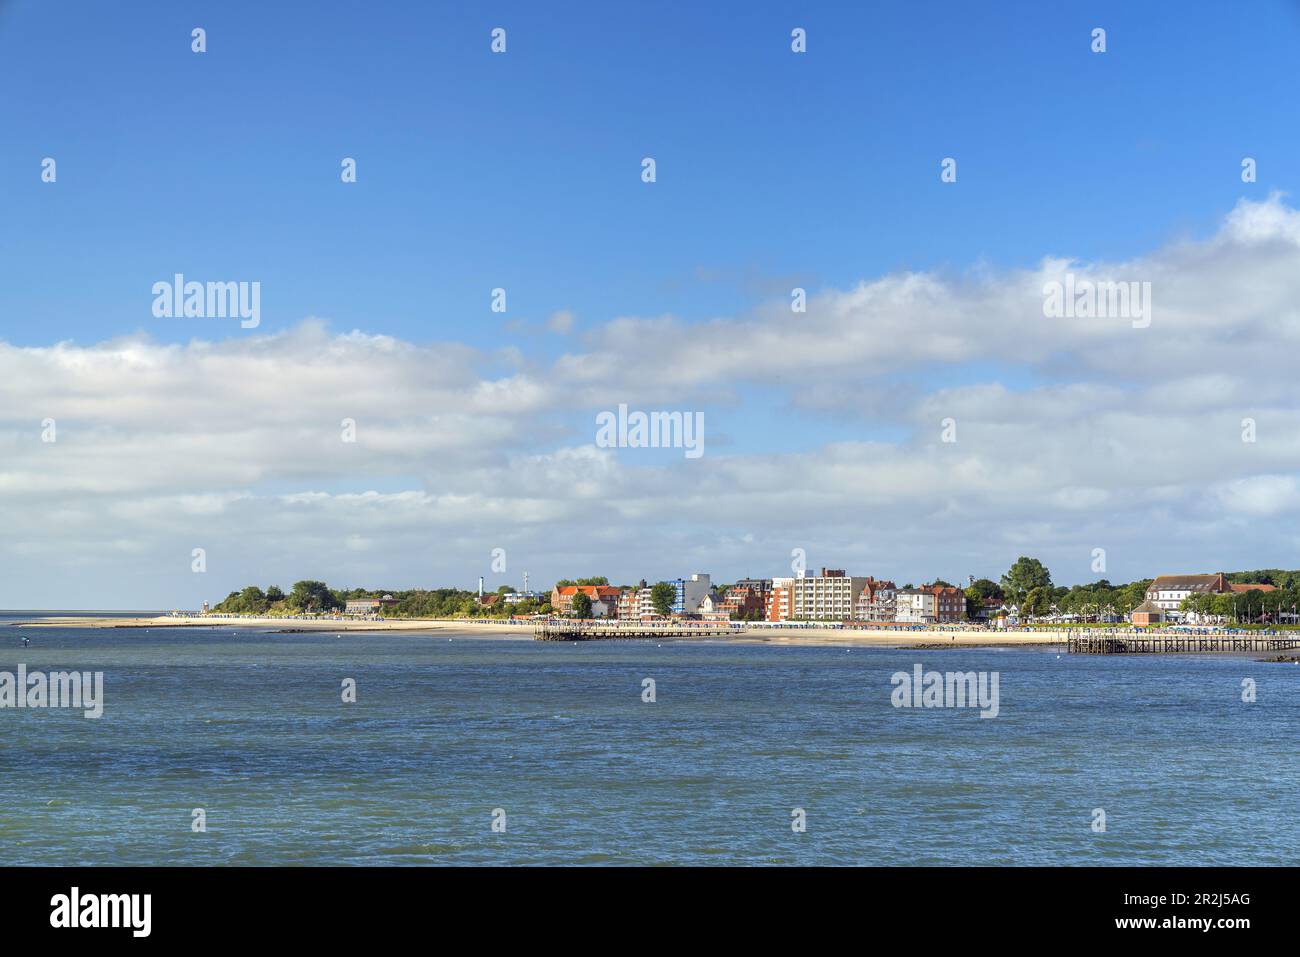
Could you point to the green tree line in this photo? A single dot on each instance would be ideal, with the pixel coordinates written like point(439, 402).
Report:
point(315, 597)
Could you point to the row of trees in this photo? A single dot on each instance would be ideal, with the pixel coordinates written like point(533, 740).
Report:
point(305, 596)
point(1028, 583)
point(315, 597)
point(1247, 606)
point(1285, 580)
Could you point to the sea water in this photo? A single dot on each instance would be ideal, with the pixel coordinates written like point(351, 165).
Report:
point(489, 750)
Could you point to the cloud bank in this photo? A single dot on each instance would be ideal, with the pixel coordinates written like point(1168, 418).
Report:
point(1070, 434)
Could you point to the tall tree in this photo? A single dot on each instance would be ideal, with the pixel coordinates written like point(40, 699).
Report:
point(977, 591)
point(1024, 576)
point(311, 595)
point(663, 596)
point(1037, 602)
point(582, 605)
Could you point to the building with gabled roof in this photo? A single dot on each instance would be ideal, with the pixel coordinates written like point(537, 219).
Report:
point(875, 602)
point(605, 595)
point(1148, 613)
point(1168, 591)
point(368, 606)
point(949, 603)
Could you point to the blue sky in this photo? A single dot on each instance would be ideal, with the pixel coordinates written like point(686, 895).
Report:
point(522, 171)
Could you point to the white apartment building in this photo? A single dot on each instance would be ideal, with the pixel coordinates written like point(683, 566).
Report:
point(914, 606)
point(1168, 591)
point(829, 596)
point(691, 593)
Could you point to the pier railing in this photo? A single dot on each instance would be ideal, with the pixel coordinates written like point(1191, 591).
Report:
point(1166, 643)
point(570, 630)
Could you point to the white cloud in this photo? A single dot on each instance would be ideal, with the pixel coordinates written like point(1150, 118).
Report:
point(1103, 436)
point(560, 322)
point(1260, 495)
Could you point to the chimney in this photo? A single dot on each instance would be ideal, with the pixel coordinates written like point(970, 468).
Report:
point(480, 586)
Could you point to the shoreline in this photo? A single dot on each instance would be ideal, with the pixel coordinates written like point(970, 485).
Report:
point(927, 639)
point(910, 640)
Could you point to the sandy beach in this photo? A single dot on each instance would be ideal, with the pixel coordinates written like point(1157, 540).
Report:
point(278, 624)
point(932, 638)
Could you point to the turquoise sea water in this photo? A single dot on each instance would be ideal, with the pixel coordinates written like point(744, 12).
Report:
point(250, 726)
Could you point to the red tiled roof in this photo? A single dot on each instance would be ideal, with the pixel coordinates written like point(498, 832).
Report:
point(1252, 587)
point(940, 591)
point(592, 591)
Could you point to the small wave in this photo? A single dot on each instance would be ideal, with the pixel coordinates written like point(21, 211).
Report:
point(408, 850)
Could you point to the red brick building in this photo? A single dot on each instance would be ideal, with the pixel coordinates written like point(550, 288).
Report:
point(949, 603)
point(1148, 613)
point(562, 597)
point(779, 599)
point(744, 601)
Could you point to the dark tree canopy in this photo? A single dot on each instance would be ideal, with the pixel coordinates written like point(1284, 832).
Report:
point(1024, 576)
point(582, 605)
point(662, 596)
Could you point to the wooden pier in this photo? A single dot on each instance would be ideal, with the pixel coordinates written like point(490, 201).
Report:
point(1136, 644)
point(597, 630)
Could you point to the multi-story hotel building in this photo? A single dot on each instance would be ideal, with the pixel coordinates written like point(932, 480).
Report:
point(691, 593)
point(829, 596)
point(778, 599)
point(630, 602)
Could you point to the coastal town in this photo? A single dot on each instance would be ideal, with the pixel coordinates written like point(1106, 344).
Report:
point(1023, 597)
point(832, 595)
